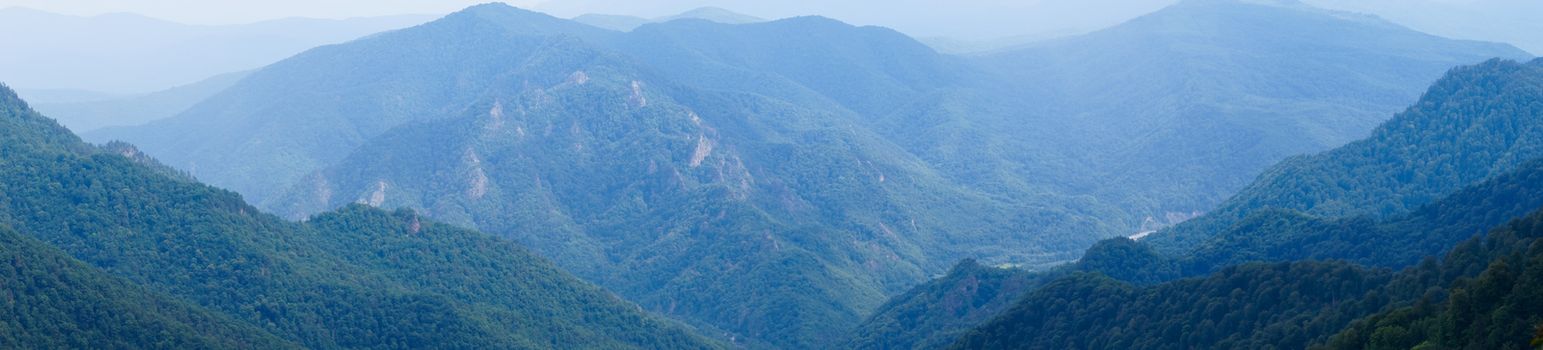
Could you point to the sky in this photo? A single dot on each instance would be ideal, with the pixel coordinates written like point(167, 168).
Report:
point(1516, 22)
point(962, 19)
point(1512, 21)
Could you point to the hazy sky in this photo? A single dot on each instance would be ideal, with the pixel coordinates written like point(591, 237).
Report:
point(925, 18)
point(1513, 21)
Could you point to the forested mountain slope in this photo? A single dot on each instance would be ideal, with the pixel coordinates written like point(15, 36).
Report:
point(723, 210)
point(775, 181)
point(54, 301)
point(1266, 236)
point(1489, 298)
point(1272, 234)
point(1253, 306)
point(1176, 110)
point(1477, 122)
point(1280, 235)
point(264, 132)
point(1473, 297)
point(354, 278)
point(765, 218)
point(933, 315)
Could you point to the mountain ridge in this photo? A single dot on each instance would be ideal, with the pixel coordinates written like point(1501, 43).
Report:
point(773, 181)
point(414, 283)
point(1301, 177)
point(625, 23)
point(1275, 236)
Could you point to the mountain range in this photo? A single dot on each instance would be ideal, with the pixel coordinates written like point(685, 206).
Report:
point(107, 248)
point(87, 114)
point(628, 23)
point(1492, 20)
point(776, 181)
point(1228, 282)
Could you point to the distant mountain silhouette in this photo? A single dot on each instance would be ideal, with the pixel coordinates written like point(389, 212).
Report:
point(131, 54)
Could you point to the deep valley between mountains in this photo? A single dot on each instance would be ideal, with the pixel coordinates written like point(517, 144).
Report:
point(1217, 174)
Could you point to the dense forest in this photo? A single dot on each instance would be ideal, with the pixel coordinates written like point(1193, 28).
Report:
point(1478, 122)
point(934, 314)
point(1277, 306)
point(52, 301)
point(1490, 297)
point(355, 278)
point(1286, 237)
point(777, 180)
point(1484, 294)
point(1281, 235)
point(501, 178)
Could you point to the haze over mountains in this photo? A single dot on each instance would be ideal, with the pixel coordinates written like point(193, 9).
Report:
point(130, 54)
point(792, 174)
point(628, 23)
point(206, 267)
point(1509, 21)
point(1075, 304)
point(91, 113)
point(503, 178)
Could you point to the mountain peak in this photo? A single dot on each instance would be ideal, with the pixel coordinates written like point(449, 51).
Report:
point(715, 14)
point(1278, 3)
point(9, 99)
point(628, 23)
point(516, 20)
point(494, 9)
point(965, 265)
point(1287, 6)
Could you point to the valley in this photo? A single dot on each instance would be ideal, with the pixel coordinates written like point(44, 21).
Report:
point(500, 177)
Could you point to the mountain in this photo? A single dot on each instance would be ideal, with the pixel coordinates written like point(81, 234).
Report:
point(1266, 236)
point(772, 220)
point(1182, 107)
point(45, 96)
point(1062, 309)
point(619, 23)
point(1471, 298)
point(357, 277)
point(628, 23)
point(1276, 235)
point(1476, 123)
point(714, 14)
point(959, 46)
point(1505, 21)
point(280, 133)
point(1279, 235)
point(1253, 306)
point(55, 301)
point(1495, 303)
point(1269, 234)
point(933, 315)
point(89, 115)
point(727, 217)
point(130, 54)
point(776, 181)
